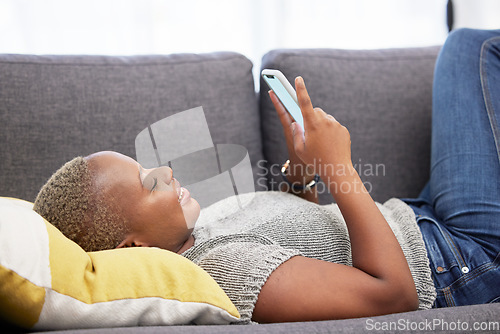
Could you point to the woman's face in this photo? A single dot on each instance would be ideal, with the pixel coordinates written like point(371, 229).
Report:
point(160, 212)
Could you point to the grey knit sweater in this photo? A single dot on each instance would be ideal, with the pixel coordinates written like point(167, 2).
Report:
point(240, 248)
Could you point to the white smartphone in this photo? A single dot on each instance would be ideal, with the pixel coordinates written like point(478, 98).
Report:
point(285, 93)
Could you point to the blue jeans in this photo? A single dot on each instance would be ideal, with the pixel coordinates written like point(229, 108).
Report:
point(458, 211)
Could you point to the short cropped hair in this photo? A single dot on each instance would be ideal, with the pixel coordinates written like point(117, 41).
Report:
point(72, 202)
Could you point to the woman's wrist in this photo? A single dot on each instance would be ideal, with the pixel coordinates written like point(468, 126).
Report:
point(299, 170)
point(299, 177)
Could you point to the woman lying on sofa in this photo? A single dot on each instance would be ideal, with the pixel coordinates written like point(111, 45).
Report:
point(286, 258)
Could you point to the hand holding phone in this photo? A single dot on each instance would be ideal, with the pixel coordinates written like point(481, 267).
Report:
point(285, 93)
point(328, 141)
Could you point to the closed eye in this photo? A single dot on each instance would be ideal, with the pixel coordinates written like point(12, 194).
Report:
point(154, 184)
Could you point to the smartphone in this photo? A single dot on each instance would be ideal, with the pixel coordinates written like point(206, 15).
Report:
point(285, 93)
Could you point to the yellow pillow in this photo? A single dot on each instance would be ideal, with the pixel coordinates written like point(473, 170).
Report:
point(49, 282)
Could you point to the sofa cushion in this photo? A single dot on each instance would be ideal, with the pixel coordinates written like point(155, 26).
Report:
point(49, 282)
point(382, 96)
point(54, 108)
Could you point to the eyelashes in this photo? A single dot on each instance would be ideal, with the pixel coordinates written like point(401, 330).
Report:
point(155, 183)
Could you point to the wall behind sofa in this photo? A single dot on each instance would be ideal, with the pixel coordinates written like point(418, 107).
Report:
point(250, 27)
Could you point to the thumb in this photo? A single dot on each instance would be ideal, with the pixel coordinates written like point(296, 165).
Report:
point(298, 138)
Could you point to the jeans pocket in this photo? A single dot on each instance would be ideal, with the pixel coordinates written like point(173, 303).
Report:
point(443, 253)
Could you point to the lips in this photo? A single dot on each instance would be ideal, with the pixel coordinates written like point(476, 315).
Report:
point(182, 192)
point(184, 196)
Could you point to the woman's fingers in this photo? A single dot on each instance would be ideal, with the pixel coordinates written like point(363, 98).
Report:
point(298, 138)
point(305, 104)
point(303, 98)
point(287, 123)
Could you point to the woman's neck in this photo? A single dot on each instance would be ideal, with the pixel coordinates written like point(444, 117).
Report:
point(188, 244)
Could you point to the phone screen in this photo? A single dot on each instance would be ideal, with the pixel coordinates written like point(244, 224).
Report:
point(285, 98)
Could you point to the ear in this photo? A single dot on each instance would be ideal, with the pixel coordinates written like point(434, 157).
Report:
point(131, 241)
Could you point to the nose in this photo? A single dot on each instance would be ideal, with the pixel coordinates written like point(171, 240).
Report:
point(156, 177)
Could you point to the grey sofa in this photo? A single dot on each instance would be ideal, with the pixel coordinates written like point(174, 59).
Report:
point(53, 108)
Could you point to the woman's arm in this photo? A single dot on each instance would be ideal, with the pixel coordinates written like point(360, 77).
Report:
point(379, 282)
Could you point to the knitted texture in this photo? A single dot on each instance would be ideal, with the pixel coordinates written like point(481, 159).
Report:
point(241, 248)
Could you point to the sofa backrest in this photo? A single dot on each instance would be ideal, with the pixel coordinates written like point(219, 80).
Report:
point(383, 97)
point(53, 108)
